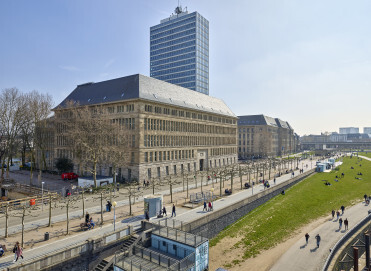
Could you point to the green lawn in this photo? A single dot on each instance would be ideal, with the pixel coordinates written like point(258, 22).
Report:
point(274, 221)
point(368, 154)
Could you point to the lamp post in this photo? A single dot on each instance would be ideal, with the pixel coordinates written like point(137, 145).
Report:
point(114, 214)
point(42, 196)
point(212, 196)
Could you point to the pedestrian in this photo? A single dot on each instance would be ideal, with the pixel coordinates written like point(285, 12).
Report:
point(2, 252)
point(365, 196)
point(342, 209)
point(91, 224)
point(274, 181)
point(87, 218)
point(108, 206)
point(173, 213)
point(144, 182)
point(210, 206)
point(205, 206)
point(146, 214)
point(306, 238)
point(164, 211)
point(147, 183)
point(18, 251)
point(346, 223)
point(333, 214)
point(340, 223)
point(318, 239)
point(337, 214)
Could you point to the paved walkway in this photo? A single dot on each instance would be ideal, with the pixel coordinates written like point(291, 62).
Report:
point(307, 257)
point(184, 215)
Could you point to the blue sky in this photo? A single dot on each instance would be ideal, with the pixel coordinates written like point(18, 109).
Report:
point(307, 62)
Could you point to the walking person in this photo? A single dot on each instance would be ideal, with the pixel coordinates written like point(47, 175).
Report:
point(342, 209)
point(306, 238)
point(318, 239)
point(87, 218)
point(337, 215)
point(18, 251)
point(333, 214)
point(205, 206)
point(210, 206)
point(274, 181)
point(340, 223)
point(173, 213)
point(346, 223)
point(164, 211)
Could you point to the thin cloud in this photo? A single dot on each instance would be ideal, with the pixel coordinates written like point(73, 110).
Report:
point(109, 63)
point(70, 68)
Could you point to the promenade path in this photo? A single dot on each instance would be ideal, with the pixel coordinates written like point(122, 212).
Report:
point(308, 257)
point(183, 214)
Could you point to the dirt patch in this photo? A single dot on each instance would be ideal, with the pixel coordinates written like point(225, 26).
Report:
point(226, 255)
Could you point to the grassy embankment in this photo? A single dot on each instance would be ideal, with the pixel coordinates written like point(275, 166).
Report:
point(274, 221)
point(367, 154)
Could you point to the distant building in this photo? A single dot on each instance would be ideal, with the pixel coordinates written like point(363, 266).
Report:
point(179, 50)
point(367, 130)
point(349, 130)
point(262, 136)
point(173, 129)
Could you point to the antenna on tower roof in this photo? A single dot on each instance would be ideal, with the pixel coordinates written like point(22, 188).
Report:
point(178, 9)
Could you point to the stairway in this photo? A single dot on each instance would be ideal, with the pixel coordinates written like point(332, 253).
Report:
point(108, 266)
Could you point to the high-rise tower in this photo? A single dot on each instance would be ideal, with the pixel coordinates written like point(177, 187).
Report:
point(179, 52)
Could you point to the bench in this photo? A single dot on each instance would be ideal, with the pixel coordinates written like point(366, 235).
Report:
point(84, 226)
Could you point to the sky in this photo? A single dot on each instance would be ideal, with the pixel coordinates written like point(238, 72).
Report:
point(306, 62)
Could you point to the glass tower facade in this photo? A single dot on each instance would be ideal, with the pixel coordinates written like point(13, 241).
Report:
point(179, 51)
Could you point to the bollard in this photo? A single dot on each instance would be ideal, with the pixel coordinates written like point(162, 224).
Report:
point(355, 258)
point(367, 247)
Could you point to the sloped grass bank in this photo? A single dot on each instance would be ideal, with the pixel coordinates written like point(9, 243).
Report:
point(274, 221)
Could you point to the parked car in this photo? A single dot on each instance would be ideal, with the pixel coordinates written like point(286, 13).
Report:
point(69, 176)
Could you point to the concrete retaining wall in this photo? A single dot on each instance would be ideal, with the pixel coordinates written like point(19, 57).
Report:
point(214, 222)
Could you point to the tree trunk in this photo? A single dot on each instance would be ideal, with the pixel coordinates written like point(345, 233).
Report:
point(23, 215)
point(68, 219)
point(95, 174)
point(83, 202)
point(187, 187)
point(101, 207)
point(232, 182)
point(220, 185)
point(171, 192)
point(130, 205)
point(50, 210)
point(6, 220)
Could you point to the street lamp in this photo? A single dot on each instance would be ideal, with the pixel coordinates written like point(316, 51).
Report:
point(114, 214)
point(42, 196)
point(212, 195)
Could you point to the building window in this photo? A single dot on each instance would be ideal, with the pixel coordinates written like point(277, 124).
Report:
point(174, 169)
point(146, 157)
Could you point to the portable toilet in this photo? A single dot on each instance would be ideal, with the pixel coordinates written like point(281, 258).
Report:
point(321, 167)
point(153, 205)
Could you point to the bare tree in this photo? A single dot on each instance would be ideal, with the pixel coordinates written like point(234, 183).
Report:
point(131, 190)
point(5, 213)
point(172, 180)
point(89, 130)
point(25, 211)
point(12, 104)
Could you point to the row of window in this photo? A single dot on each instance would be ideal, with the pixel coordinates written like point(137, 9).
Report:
point(168, 155)
point(174, 64)
point(129, 123)
point(174, 70)
point(173, 59)
point(173, 31)
point(190, 85)
point(174, 47)
point(174, 36)
point(186, 127)
point(174, 53)
point(181, 113)
point(173, 42)
point(174, 141)
point(176, 75)
point(170, 24)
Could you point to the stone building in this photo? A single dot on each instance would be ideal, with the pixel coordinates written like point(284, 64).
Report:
point(173, 129)
point(263, 136)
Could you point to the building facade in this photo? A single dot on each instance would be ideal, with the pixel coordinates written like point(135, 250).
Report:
point(262, 136)
point(179, 50)
point(367, 130)
point(172, 129)
point(349, 130)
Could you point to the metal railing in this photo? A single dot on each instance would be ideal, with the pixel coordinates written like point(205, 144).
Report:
point(185, 263)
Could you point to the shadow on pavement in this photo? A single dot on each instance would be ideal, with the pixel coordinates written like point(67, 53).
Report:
point(314, 249)
point(133, 219)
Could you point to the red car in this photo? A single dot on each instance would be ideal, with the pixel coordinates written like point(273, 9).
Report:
point(69, 176)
